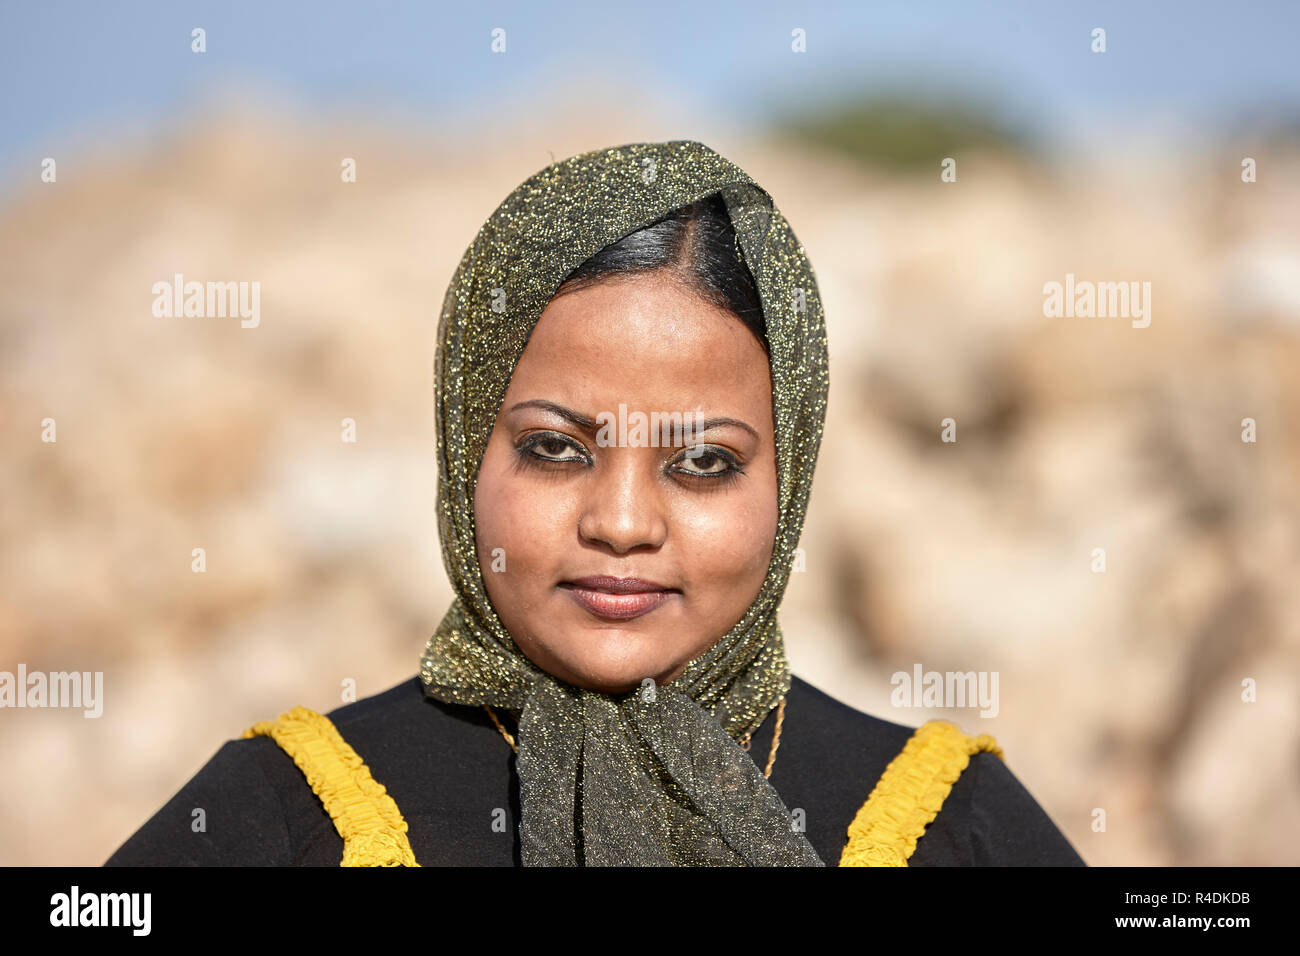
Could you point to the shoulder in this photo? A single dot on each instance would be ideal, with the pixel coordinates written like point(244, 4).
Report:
point(250, 804)
point(235, 811)
point(991, 819)
point(988, 819)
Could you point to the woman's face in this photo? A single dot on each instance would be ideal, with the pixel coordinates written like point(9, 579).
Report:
point(681, 535)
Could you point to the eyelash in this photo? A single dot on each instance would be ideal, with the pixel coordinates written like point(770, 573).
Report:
point(530, 458)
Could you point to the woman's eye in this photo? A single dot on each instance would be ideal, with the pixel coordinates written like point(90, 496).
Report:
point(709, 462)
point(552, 448)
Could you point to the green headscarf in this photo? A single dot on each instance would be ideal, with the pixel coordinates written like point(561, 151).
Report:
point(663, 780)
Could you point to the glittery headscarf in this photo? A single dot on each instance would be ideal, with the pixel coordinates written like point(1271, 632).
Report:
point(654, 776)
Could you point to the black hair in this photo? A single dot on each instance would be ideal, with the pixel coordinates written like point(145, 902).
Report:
point(694, 244)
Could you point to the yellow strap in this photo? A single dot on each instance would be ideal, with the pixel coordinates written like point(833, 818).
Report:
point(909, 794)
point(373, 831)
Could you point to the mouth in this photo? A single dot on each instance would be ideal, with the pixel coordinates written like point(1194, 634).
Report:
point(617, 598)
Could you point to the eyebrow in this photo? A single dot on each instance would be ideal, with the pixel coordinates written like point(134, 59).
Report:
point(590, 424)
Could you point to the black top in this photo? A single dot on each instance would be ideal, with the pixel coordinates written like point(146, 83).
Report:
point(451, 773)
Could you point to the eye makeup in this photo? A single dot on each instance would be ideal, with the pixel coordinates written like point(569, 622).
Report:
point(545, 450)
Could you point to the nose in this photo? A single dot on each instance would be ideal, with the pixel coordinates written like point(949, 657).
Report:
point(625, 508)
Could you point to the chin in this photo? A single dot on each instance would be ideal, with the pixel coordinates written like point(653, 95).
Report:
point(616, 671)
point(614, 680)
point(610, 685)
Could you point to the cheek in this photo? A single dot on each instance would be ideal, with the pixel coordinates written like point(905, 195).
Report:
point(525, 519)
point(730, 542)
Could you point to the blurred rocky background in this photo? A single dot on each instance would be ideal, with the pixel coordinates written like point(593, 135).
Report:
point(1120, 690)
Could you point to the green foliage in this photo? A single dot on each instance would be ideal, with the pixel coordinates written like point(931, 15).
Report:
point(903, 134)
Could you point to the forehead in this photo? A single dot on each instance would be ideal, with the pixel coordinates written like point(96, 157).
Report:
point(647, 338)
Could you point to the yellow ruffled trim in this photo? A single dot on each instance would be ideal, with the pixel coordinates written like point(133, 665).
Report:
point(909, 794)
point(373, 831)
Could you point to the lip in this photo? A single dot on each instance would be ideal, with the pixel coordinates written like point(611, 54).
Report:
point(618, 598)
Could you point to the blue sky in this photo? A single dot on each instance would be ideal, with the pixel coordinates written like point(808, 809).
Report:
point(69, 66)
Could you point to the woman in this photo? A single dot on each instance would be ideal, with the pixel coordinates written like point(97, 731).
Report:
point(631, 382)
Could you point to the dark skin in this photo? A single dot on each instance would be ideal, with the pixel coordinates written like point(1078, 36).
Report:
point(698, 518)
